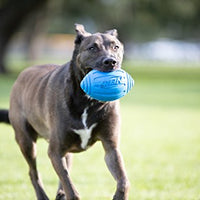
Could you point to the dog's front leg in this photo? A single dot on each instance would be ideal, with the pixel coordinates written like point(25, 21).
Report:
point(115, 164)
point(60, 193)
point(59, 164)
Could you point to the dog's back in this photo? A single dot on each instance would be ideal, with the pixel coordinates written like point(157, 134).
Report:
point(28, 100)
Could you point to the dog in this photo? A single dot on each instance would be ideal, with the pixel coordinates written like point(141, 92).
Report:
point(47, 101)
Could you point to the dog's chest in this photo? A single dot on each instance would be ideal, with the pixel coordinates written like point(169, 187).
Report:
point(85, 132)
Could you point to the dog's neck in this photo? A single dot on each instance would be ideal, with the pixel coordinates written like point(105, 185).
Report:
point(76, 77)
point(75, 68)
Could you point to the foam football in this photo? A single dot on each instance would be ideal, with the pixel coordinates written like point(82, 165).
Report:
point(107, 86)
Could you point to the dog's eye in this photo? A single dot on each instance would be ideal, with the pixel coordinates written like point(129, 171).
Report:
point(115, 47)
point(92, 48)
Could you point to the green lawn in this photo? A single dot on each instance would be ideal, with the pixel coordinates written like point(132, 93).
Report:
point(160, 143)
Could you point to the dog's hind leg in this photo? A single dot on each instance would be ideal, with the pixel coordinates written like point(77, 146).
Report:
point(60, 193)
point(26, 138)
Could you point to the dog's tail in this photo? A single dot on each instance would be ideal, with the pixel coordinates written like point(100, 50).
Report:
point(4, 116)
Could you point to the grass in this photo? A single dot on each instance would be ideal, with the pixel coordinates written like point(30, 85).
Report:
point(160, 143)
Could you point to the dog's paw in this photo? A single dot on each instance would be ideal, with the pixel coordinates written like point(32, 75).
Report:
point(60, 196)
point(120, 196)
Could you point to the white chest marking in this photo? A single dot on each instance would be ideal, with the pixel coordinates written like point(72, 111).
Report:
point(85, 133)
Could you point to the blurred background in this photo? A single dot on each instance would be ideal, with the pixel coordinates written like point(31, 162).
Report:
point(44, 29)
point(160, 116)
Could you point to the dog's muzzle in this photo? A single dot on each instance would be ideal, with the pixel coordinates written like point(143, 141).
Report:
point(107, 64)
point(110, 64)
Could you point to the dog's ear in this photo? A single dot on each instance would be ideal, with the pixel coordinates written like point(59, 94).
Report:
point(112, 32)
point(81, 33)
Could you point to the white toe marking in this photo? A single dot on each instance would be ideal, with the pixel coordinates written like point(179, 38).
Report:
point(85, 133)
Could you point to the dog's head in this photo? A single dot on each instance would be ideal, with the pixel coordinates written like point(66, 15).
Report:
point(100, 51)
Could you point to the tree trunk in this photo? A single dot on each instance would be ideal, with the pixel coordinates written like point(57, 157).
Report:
point(2, 55)
point(12, 14)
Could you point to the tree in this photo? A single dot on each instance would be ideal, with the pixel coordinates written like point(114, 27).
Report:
point(12, 15)
point(135, 19)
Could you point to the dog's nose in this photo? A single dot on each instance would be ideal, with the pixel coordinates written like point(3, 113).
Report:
point(109, 62)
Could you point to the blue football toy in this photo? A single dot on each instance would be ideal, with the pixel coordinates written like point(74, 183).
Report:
point(107, 86)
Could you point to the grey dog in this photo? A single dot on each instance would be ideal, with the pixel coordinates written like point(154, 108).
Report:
point(47, 101)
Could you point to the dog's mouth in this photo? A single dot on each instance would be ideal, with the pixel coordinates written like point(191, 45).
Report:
point(88, 69)
point(110, 69)
point(102, 69)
